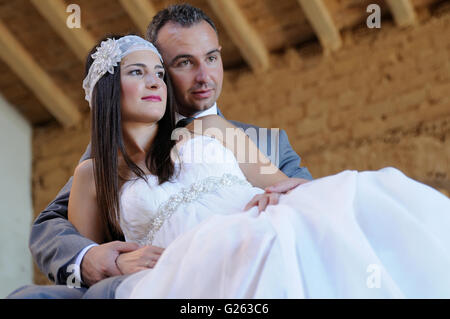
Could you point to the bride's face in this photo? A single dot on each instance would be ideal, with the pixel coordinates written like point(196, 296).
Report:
point(144, 93)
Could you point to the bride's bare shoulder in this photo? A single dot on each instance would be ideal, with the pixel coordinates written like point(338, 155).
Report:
point(85, 167)
point(210, 125)
point(209, 121)
point(181, 136)
point(84, 172)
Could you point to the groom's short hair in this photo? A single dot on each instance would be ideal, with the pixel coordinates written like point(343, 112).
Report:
point(183, 14)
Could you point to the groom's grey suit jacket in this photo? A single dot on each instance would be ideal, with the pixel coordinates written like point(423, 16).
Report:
point(55, 243)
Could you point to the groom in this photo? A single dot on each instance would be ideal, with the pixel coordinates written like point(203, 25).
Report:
point(188, 42)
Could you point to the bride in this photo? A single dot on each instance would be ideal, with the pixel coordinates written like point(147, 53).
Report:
point(376, 234)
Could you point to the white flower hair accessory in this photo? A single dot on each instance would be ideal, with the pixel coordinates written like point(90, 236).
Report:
point(108, 55)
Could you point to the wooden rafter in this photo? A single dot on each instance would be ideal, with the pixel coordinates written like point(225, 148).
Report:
point(242, 33)
point(36, 79)
point(320, 19)
point(403, 12)
point(78, 39)
point(140, 11)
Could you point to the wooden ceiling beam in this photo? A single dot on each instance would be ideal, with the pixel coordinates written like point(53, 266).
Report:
point(79, 40)
point(37, 80)
point(140, 11)
point(242, 33)
point(403, 12)
point(320, 19)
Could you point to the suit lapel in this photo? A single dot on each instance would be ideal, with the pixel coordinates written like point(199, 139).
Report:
point(219, 113)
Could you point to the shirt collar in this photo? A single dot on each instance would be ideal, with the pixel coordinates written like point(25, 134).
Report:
point(210, 111)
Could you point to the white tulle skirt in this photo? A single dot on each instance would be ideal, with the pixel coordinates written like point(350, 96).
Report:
point(352, 235)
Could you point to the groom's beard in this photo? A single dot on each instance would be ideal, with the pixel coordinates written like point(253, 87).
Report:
point(201, 97)
point(203, 86)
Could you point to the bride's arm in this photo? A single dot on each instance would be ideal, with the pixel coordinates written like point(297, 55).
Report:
point(257, 168)
point(83, 211)
point(84, 214)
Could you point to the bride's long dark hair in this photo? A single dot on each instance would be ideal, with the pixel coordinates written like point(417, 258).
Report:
point(107, 144)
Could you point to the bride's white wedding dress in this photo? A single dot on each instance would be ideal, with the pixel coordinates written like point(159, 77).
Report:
point(352, 235)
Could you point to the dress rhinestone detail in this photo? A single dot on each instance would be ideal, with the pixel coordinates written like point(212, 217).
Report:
point(188, 195)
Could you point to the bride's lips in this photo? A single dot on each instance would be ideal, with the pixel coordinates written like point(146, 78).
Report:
point(202, 94)
point(152, 98)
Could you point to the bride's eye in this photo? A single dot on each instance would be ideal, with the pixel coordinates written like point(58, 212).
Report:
point(135, 72)
point(160, 75)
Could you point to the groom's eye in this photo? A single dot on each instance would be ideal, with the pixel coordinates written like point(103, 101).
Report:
point(184, 63)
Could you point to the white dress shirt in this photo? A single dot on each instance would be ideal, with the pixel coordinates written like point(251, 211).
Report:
point(210, 111)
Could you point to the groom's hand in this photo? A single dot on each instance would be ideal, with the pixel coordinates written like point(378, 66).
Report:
point(286, 185)
point(140, 259)
point(100, 261)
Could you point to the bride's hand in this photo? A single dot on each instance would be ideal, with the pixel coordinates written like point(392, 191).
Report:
point(263, 200)
point(286, 185)
point(140, 259)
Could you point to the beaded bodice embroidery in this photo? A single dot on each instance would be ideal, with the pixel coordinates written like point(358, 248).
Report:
point(145, 207)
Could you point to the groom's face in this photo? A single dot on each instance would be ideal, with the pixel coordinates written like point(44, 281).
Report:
point(192, 56)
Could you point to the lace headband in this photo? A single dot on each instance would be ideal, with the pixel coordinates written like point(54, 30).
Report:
point(108, 55)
